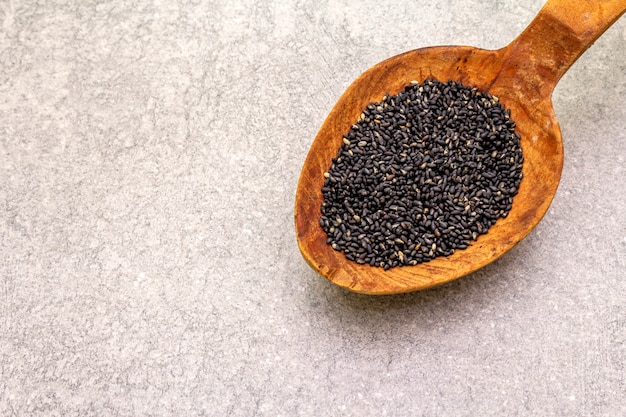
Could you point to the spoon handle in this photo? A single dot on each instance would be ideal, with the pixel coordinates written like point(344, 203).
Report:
point(559, 34)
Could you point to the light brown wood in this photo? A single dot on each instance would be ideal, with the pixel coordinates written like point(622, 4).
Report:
point(523, 76)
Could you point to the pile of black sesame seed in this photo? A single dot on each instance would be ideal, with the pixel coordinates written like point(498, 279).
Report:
point(421, 174)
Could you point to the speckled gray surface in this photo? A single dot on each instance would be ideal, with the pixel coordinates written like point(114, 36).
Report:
point(149, 154)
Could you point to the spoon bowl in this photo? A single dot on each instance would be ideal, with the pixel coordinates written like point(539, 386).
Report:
point(522, 75)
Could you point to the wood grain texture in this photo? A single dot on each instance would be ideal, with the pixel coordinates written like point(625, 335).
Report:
point(523, 76)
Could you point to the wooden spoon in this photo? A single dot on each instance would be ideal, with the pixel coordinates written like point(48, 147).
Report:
point(523, 76)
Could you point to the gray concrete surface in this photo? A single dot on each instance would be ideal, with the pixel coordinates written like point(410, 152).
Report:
point(149, 154)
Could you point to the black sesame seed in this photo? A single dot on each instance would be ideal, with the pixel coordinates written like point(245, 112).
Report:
point(421, 174)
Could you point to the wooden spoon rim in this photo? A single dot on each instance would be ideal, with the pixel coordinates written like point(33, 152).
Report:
point(390, 76)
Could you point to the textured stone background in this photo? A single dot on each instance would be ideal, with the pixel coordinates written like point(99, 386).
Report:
point(149, 154)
